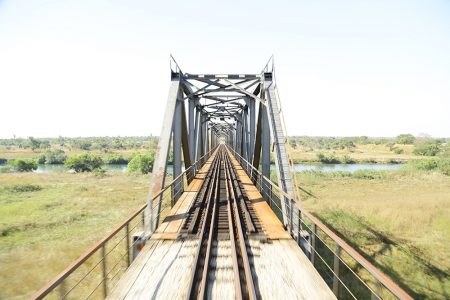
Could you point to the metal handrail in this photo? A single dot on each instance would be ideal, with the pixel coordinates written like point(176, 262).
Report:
point(56, 281)
point(376, 273)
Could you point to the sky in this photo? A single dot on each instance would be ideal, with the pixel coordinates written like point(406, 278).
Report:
point(343, 68)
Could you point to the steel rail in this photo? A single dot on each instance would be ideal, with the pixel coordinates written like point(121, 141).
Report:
point(192, 282)
point(237, 281)
point(212, 227)
point(387, 282)
point(243, 247)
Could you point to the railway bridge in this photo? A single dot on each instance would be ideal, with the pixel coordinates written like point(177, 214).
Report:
point(226, 224)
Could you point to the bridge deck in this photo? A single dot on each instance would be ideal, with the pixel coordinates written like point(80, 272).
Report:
point(162, 269)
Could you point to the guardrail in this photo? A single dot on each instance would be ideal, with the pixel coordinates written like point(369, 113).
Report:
point(96, 272)
point(348, 274)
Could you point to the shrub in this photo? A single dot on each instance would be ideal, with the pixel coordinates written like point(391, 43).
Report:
point(427, 150)
point(327, 158)
point(406, 139)
point(116, 159)
point(100, 172)
point(22, 188)
point(398, 151)
point(55, 157)
point(141, 163)
point(3, 161)
point(442, 165)
point(86, 162)
point(347, 160)
point(23, 165)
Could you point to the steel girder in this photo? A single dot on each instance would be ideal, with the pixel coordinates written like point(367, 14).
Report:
point(203, 110)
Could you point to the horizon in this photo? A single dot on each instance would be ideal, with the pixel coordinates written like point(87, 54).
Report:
point(152, 136)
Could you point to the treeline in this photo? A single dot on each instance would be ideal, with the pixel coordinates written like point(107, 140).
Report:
point(82, 143)
point(423, 146)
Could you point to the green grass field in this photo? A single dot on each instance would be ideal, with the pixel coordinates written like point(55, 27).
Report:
point(400, 220)
point(42, 231)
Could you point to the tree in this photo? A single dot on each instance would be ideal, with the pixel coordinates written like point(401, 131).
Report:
point(33, 143)
point(429, 149)
point(141, 163)
point(23, 165)
point(406, 139)
point(86, 162)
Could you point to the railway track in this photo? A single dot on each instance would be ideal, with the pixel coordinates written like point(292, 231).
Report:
point(222, 219)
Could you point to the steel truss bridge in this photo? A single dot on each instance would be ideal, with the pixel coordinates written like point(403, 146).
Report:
point(219, 227)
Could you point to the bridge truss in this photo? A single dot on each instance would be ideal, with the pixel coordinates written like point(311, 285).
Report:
point(241, 110)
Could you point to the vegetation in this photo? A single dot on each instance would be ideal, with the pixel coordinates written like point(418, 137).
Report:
point(327, 158)
point(116, 159)
point(432, 164)
point(53, 157)
point(427, 149)
point(398, 219)
point(3, 161)
point(141, 163)
point(406, 139)
point(23, 165)
point(84, 162)
point(47, 220)
point(22, 188)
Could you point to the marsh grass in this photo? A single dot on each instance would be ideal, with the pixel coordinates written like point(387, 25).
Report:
point(43, 230)
point(399, 220)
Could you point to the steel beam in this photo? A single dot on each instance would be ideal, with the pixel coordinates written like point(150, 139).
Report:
point(162, 154)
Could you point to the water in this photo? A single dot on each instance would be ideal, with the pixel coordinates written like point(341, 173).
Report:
point(345, 168)
point(298, 168)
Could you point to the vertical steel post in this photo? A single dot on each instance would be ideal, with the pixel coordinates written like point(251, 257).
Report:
point(191, 112)
point(127, 244)
point(104, 272)
point(336, 271)
point(252, 128)
point(265, 147)
point(299, 226)
point(313, 243)
point(177, 148)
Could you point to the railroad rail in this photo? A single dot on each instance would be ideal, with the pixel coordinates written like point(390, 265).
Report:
point(222, 214)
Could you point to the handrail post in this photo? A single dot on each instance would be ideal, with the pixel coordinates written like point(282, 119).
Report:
point(104, 274)
point(271, 195)
point(313, 243)
point(127, 233)
point(291, 216)
point(336, 272)
point(299, 226)
point(376, 292)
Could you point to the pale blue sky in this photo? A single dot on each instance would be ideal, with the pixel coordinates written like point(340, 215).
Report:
point(85, 68)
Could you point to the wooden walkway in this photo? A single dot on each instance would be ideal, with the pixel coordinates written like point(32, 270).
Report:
point(162, 270)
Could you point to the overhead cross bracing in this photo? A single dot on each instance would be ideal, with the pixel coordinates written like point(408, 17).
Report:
point(241, 110)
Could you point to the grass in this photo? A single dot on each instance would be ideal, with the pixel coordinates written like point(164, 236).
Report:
point(400, 220)
point(48, 220)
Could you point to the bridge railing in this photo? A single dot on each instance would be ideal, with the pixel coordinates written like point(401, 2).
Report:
point(348, 274)
point(96, 272)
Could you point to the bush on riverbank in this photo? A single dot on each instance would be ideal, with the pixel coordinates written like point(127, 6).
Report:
point(432, 164)
point(84, 162)
point(116, 159)
point(429, 149)
point(141, 163)
point(23, 165)
point(53, 157)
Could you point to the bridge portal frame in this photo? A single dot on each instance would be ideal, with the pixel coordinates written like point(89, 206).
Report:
point(203, 109)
